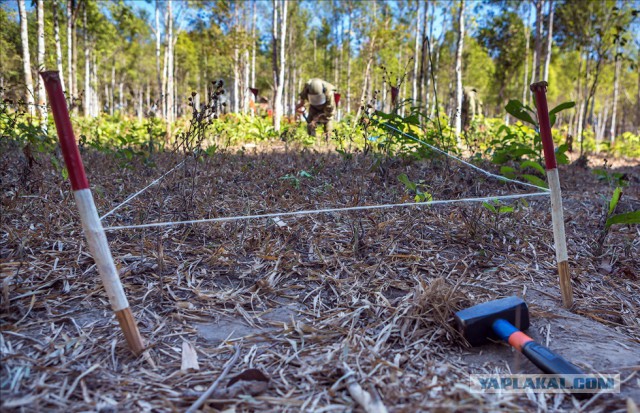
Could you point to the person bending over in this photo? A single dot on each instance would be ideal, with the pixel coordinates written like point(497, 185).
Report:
point(322, 106)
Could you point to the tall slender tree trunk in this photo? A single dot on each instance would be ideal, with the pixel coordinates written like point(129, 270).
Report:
point(87, 64)
point(584, 108)
point(236, 60)
point(459, 91)
point(638, 90)
point(245, 87)
point(279, 22)
point(423, 77)
point(616, 82)
point(26, 58)
point(367, 75)
point(56, 35)
point(42, 98)
point(160, 97)
point(547, 59)
point(537, 72)
point(416, 49)
point(74, 40)
point(112, 99)
point(121, 96)
point(350, 5)
point(165, 75)
point(95, 98)
point(70, 28)
point(140, 102)
point(527, 36)
point(436, 69)
point(253, 46)
point(170, 67)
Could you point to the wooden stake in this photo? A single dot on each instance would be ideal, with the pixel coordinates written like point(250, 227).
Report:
point(540, 92)
point(93, 231)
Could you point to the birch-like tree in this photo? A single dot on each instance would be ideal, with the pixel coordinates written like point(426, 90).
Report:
point(26, 59)
point(279, 35)
point(42, 98)
point(170, 110)
point(459, 91)
point(56, 36)
point(547, 59)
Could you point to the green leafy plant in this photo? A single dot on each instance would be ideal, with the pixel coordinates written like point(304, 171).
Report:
point(497, 210)
point(611, 218)
point(295, 180)
point(414, 189)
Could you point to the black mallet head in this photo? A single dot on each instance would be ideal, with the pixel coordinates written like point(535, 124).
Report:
point(475, 323)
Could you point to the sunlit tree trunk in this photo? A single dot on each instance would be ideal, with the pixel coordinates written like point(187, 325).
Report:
point(527, 48)
point(367, 75)
point(26, 58)
point(74, 40)
point(165, 72)
point(458, 113)
point(253, 46)
point(140, 103)
point(538, 42)
point(56, 35)
point(602, 120)
point(350, 5)
point(95, 104)
point(70, 29)
point(158, 71)
point(537, 45)
point(435, 69)
point(112, 98)
point(87, 65)
point(236, 60)
point(424, 78)
point(42, 99)
point(614, 110)
point(547, 59)
point(245, 87)
point(279, 22)
point(170, 66)
point(121, 96)
point(584, 101)
point(416, 50)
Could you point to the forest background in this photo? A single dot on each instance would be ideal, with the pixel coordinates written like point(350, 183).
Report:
point(139, 59)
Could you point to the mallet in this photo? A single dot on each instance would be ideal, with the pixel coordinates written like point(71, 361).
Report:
point(503, 319)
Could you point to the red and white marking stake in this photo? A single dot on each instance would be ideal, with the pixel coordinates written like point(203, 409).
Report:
point(91, 224)
point(540, 91)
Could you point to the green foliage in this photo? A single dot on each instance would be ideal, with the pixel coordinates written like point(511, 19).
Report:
point(520, 111)
point(498, 207)
point(632, 217)
point(616, 178)
point(415, 189)
point(295, 179)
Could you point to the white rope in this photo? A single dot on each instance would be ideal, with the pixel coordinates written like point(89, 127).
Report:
point(142, 190)
point(500, 177)
point(322, 211)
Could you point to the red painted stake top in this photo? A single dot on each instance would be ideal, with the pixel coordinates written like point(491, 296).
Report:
point(336, 98)
point(540, 92)
point(70, 151)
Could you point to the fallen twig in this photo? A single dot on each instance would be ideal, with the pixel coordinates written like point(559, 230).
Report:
point(195, 406)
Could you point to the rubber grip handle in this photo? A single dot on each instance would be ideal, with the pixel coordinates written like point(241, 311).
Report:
point(548, 361)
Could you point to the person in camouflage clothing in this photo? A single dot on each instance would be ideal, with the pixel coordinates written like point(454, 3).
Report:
point(322, 106)
point(471, 106)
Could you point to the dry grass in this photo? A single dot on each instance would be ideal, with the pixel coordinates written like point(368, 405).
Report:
point(312, 299)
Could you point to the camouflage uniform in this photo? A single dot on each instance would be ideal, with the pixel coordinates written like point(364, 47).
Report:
point(471, 106)
point(328, 109)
